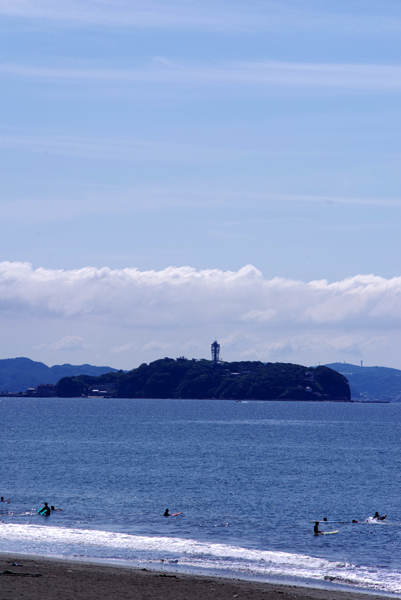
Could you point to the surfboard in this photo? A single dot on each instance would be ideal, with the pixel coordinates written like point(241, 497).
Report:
point(174, 514)
point(326, 532)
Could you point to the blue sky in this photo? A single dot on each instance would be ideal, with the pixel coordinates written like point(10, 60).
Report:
point(162, 147)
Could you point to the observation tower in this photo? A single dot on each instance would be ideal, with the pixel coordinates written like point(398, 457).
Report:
point(215, 353)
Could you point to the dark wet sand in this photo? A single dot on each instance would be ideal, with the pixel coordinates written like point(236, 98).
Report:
point(70, 580)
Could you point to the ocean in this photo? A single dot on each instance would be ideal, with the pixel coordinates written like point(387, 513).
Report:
point(248, 479)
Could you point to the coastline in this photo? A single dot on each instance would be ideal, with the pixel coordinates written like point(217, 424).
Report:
point(45, 578)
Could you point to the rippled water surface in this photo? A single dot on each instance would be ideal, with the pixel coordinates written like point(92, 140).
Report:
point(249, 479)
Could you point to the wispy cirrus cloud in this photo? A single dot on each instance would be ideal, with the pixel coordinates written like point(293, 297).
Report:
point(226, 15)
point(149, 198)
point(346, 77)
point(133, 14)
point(122, 149)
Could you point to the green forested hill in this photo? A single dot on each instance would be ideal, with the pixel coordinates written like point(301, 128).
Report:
point(183, 378)
point(371, 382)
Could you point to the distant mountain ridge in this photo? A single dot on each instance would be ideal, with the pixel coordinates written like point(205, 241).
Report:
point(371, 382)
point(19, 374)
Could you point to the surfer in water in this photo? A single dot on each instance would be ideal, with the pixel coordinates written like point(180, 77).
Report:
point(45, 510)
point(378, 517)
point(316, 529)
point(166, 513)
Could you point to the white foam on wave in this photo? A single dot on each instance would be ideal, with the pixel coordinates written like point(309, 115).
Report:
point(191, 554)
point(375, 520)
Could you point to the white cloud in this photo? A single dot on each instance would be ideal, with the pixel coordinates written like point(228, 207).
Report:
point(176, 296)
point(353, 344)
point(180, 311)
point(69, 342)
point(156, 346)
point(123, 349)
point(260, 316)
point(308, 347)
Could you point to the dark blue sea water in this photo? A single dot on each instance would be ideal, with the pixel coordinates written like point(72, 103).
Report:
point(249, 479)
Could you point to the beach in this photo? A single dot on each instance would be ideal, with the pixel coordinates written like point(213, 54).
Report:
point(37, 578)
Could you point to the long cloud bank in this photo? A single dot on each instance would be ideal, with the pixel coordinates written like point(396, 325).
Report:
point(176, 297)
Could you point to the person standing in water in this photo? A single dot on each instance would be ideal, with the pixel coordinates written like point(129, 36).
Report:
point(316, 529)
point(45, 510)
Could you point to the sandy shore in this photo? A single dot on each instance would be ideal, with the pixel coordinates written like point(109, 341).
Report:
point(44, 579)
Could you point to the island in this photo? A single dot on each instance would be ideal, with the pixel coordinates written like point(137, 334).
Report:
point(204, 379)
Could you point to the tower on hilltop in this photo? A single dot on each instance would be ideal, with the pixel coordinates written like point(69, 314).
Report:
point(215, 353)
